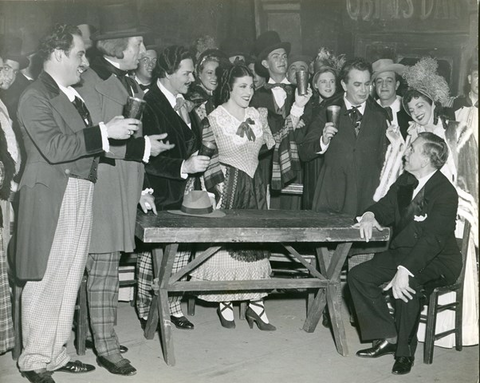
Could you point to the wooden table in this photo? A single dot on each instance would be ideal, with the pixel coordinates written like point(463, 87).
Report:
point(253, 226)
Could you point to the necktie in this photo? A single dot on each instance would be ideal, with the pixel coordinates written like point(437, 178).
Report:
point(389, 113)
point(356, 117)
point(181, 108)
point(82, 110)
point(129, 83)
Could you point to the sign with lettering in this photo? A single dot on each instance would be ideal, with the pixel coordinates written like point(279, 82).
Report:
point(371, 10)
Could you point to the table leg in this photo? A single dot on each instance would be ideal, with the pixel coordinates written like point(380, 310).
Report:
point(163, 306)
point(315, 311)
point(152, 321)
point(331, 296)
point(334, 301)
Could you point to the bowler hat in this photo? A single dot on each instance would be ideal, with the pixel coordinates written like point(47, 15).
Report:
point(266, 43)
point(118, 21)
point(386, 65)
point(12, 51)
point(197, 203)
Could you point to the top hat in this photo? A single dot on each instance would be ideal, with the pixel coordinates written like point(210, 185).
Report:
point(12, 48)
point(197, 203)
point(386, 65)
point(118, 21)
point(266, 43)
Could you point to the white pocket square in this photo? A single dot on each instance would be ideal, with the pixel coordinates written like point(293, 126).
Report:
point(420, 218)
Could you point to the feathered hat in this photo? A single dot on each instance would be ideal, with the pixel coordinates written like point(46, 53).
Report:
point(423, 77)
point(326, 59)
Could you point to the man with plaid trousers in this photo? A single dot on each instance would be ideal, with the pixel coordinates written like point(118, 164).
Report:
point(55, 208)
point(106, 88)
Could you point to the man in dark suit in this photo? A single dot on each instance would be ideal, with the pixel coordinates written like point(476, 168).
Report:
point(386, 78)
point(353, 150)
point(170, 174)
point(55, 209)
point(423, 253)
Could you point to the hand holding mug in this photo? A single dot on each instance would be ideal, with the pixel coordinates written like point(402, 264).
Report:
point(328, 132)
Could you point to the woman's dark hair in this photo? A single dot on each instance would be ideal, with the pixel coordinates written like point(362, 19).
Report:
point(357, 63)
point(229, 77)
point(435, 148)
point(411, 94)
point(60, 37)
point(169, 61)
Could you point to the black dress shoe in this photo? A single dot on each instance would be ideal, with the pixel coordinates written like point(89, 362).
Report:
point(38, 377)
point(380, 349)
point(76, 367)
point(122, 367)
point(89, 344)
point(182, 323)
point(403, 365)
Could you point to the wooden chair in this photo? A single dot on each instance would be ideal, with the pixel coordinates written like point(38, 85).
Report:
point(434, 307)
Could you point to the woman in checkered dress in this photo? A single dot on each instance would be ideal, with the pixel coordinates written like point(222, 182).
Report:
point(240, 132)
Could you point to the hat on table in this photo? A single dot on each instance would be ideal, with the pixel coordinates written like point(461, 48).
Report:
point(197, 203)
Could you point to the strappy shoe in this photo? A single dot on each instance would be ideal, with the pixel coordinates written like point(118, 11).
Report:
point(224, 322)
point(252, 317)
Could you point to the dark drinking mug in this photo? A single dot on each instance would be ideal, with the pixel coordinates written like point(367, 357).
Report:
point(207, 149)
point(134, 108)
point(302, 82)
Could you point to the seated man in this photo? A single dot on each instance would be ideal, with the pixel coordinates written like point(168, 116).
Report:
point(421, 206)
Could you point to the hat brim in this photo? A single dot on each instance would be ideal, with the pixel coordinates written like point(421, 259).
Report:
point(213, 214)
point(119, 34)
point(397, 68)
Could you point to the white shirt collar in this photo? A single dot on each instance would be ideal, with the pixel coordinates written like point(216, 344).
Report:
point(284, 81)
point(169, 95)
point(421, 183)
point(141, 83)
point(115, 64)
point(349, 105)
point(70, 92)
point(396, 105)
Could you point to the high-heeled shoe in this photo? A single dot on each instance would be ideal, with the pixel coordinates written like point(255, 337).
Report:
point(252, 316)
point(224, 322)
